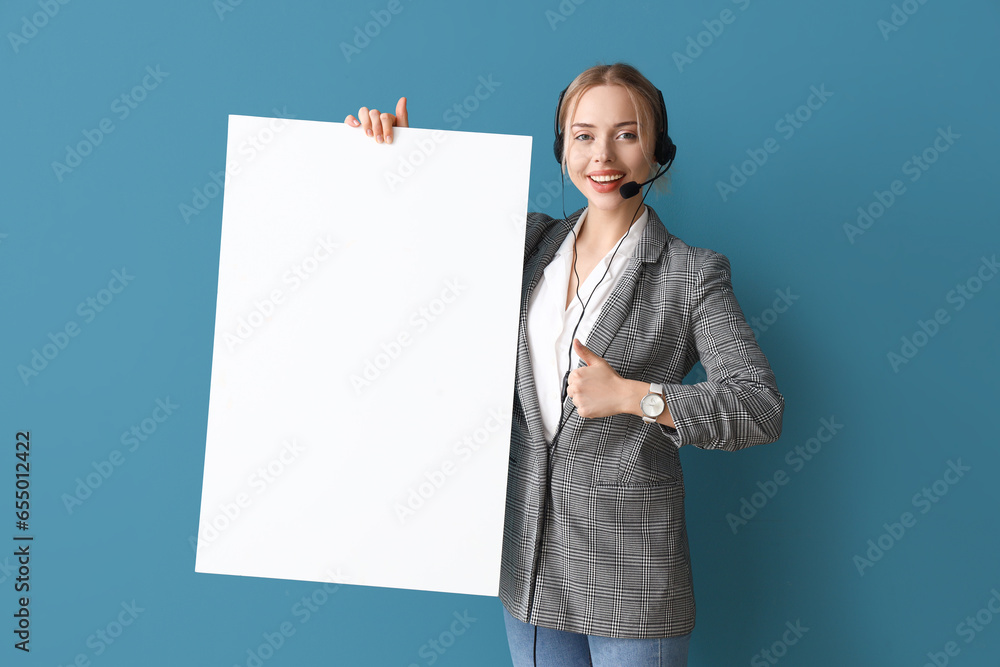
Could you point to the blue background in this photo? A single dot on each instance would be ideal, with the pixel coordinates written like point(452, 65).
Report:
point(793, 561)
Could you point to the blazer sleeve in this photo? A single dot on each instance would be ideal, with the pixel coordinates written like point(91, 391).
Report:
point(739, 405)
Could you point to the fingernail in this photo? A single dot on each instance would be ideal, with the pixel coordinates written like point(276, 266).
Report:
point(370, 133)
point(378, 139)
point(388, 138)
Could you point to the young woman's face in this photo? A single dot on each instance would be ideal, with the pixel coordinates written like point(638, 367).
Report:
point(603, 150)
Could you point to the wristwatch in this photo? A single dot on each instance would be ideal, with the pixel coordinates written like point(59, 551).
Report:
point(653, 404)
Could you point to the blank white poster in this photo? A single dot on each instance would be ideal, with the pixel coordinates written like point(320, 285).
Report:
point(364, 355)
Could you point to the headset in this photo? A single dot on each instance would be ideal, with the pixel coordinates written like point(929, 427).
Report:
point(664, 151)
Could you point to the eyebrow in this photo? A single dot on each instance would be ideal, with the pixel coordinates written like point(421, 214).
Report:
point(623, 124)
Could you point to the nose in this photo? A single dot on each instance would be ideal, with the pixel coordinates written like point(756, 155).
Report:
point(603, 150)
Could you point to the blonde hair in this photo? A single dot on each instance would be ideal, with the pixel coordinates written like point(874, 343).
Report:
point(645, 101)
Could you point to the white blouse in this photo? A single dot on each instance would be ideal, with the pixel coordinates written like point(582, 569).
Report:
point(550, 324)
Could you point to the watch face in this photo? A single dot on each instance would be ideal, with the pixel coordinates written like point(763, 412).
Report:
point(652, 405)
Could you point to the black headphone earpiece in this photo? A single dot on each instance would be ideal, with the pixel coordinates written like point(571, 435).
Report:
point(663, 151)
point(665, 148)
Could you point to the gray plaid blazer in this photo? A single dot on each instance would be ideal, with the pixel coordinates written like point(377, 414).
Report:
point(613, 557)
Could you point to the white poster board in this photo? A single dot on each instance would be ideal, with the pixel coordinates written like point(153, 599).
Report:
point(364, 355)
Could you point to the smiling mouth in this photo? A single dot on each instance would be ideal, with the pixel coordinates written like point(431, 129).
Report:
point(606, 179)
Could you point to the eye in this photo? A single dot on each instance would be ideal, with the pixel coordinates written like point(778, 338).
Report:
point(581, 136)
point(629, 135)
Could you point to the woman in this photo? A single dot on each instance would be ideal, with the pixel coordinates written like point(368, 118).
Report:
point(595, 566)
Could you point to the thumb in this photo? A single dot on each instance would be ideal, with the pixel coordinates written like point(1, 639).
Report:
point(401, 119)
point(584, 353)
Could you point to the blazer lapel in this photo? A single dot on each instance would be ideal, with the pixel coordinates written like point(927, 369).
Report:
point(609, 321)
point(534, 266)
point(617, 306)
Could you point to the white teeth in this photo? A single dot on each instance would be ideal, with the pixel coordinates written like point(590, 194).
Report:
point(606, 179)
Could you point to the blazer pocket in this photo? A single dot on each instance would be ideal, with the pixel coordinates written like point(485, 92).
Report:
point(646, 458)
point(638, 534)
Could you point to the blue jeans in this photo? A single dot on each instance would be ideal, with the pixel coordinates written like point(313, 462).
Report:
point(558, 648)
